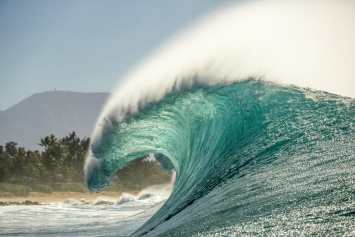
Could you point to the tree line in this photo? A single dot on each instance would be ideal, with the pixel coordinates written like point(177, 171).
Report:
point(61, 162)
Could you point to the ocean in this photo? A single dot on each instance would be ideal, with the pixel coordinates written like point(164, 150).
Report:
point(80, 217)
point(250, 157)
point(253, 108)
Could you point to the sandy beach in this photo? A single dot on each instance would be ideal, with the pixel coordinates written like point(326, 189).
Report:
point(62, 196)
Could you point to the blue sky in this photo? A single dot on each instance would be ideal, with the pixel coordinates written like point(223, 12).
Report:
point(83, 45)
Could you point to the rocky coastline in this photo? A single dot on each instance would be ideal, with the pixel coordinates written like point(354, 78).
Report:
point(25, 203)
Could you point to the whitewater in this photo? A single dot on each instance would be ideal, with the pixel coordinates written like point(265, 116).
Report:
point(80, 217)
point(253, 109)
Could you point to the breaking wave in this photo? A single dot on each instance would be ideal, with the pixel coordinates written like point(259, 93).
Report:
point(228, 106)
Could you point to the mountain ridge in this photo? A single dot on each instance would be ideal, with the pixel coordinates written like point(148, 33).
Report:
point(50, 112)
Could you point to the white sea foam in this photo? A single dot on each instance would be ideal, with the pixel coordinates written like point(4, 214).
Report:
point(104, 201)
point(160, 190)
point(72, 217)
point(125, 197)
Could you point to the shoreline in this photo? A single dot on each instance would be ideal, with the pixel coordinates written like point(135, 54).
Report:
point(61, 197)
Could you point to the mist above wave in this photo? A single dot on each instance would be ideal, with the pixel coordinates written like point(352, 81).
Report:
point(306, 43)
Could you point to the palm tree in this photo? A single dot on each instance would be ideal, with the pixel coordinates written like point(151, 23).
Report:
point(48, 141)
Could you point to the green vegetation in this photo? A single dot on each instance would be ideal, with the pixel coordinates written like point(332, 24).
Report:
point(17, 190)
point(138, 174)
point(42, 188)
point(60, 167)
point(73, 187)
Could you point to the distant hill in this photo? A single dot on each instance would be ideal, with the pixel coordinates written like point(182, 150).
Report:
point(55, 112)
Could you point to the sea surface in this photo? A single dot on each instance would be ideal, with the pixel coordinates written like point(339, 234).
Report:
point(251, 157)
point(100, 217)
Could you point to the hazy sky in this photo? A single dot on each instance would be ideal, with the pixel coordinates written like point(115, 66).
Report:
point(83, 45)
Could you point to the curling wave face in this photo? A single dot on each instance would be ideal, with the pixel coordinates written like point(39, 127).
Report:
point(244, 153)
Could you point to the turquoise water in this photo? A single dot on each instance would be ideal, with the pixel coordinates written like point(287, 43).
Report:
point(251, 158)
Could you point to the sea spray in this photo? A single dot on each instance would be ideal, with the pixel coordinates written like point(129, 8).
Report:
point(293, 42)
